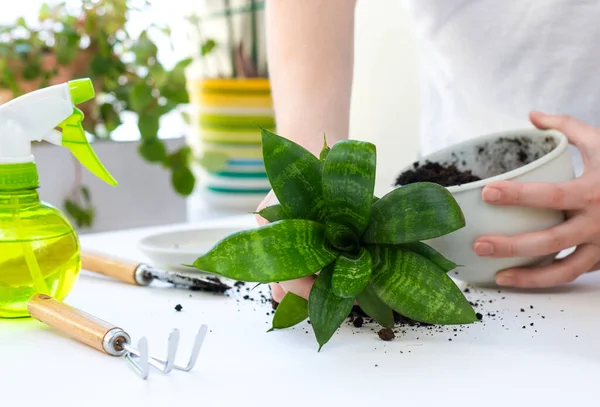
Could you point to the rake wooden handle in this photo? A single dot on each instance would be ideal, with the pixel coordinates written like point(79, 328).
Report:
point(79, 325)
point(113, 267)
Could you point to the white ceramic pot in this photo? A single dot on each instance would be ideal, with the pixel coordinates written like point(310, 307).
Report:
point(493, 158)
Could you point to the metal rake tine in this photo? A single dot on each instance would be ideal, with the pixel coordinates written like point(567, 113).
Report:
point(166, 366)
point(141, 354)
point(195, 350)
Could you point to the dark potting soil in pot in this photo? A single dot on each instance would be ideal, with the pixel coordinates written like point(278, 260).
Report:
point(445, 175)
point(488, 159)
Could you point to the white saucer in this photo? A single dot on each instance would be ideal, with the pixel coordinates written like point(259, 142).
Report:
point(175, 249)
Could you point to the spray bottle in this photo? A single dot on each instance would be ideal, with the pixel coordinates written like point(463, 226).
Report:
point(39, 248)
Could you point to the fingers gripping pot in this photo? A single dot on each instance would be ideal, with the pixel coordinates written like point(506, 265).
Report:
point(528, 155)
point(39, 249)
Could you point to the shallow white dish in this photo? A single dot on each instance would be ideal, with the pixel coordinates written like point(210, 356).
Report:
point(175, 248)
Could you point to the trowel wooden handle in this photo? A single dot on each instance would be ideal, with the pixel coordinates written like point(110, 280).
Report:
point(79, 325)
point(119, 269)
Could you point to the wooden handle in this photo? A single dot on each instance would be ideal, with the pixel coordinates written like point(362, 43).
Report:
point(119, 269)
point(77, 324)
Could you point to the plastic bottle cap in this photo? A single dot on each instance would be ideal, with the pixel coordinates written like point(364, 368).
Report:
point(14, 177)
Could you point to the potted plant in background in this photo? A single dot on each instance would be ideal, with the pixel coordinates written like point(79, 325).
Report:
point(92, 41)
point(361, 248)
point(230, 101)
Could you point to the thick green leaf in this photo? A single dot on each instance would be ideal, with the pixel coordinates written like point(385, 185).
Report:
point(372, 305)
point(272, 213)
point(295, 176)
point(413, 213)
point(413, 286)
point(351, 275)
point(279, 251)
point(432, 255)
point(349, 182)
point(326, 310)
point(325, 150)
point(292, 310)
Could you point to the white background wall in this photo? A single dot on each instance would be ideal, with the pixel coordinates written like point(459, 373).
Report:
point(384, 111)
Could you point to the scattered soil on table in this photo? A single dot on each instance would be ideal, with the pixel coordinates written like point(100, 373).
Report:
point(358, 322)
point(386, 334)
point(178, 307)
point(445, 175)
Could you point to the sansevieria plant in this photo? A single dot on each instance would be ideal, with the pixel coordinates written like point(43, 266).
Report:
point(361, 248)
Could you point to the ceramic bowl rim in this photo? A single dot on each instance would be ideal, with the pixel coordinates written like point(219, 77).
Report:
point(556, 152)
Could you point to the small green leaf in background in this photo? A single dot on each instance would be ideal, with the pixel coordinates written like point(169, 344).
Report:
point(272, 213)
point(349, 182)
point(140, 96)
point(280, 251)
point(295, 176)
point(179, 158)
point(110, 117)
point(157, 74)
point(183, 180)
point(325, 150)
point(152, 150)
point(174, 88)
point(82, 214)
point(326, 310)
point(101, 65)
point(148, 125)
point(414, 287)
point(372, 305)
point(351, 275)
point(431, 254)
point(292, 310)
point(413, 213)
point(207, 47)
point(144, 49)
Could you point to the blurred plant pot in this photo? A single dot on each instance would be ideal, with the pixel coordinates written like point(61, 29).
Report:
point(226, 116)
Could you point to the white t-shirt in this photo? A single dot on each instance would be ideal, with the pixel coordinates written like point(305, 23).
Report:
point(487, 63)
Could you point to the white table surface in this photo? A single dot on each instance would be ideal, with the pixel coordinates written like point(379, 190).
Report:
point(496, 362)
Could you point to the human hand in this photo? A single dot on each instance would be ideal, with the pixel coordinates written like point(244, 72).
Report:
point(299, 286)
point(579, 198)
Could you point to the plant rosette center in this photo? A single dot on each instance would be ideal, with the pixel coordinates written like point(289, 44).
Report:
point(361, 248)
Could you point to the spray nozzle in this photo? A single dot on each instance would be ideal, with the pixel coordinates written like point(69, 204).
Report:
point(35, 117)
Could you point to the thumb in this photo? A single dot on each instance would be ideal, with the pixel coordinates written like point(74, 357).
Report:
point(269, 200)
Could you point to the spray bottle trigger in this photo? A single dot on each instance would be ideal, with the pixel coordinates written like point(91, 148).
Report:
point(73, 138)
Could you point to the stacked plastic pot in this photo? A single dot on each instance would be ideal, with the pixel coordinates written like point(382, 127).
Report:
point(226, 119)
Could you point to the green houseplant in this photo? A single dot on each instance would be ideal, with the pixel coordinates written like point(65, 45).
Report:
point(92, 40)
point(362, 248)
